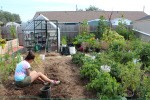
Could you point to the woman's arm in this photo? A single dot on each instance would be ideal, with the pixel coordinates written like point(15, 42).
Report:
point(28, 71)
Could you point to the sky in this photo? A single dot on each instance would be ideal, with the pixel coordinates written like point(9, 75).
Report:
point(27, 8)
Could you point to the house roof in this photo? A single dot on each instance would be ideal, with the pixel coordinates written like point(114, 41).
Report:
point(145, 18)
point(79, 16)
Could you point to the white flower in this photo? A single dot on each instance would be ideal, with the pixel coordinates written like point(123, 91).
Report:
point(105, 68)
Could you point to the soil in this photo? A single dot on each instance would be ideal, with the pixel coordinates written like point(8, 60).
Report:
point(56, 67)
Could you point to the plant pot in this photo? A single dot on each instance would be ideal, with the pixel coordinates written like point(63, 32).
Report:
point(45, 92)
point(42, 56)
point(78, 46)
point(97, 50)
point(87, 49)
point(130, 94)
point(72, 50)
point(65, 51)
point(64, 45)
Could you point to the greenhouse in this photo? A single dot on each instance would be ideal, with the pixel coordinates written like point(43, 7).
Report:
point(42, 34)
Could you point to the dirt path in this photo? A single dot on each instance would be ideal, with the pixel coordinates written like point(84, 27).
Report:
point(71, 84)
point(59, 68)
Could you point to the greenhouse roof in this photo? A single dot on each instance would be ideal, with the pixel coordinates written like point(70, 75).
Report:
point(40, 23)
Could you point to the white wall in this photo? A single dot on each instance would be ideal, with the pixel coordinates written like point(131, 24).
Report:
point(143, 26)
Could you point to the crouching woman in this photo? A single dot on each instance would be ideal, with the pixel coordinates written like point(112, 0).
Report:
point(24, 76)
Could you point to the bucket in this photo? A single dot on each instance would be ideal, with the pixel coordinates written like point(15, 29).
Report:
point(72, 50)
point(42, 56)
point(45, 92)
point(65, 51)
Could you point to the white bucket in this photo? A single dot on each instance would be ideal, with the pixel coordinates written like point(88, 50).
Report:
point(42, 56)
point(72, 50)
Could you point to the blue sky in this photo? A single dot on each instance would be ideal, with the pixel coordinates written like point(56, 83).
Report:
point(27, 8)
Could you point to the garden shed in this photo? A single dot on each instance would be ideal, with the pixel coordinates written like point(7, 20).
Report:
point(42, 34)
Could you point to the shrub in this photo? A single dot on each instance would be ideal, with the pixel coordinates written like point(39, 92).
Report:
point(131, 76)
point(104, 85)
point(90, 70)
point(145, 55)
point(78, 58)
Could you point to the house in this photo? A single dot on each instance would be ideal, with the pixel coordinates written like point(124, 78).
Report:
point(68, 21)
point(80, 16)
point(142, 29)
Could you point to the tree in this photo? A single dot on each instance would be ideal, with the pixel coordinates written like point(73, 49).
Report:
point(7, 17)
point(16, 17)
point(92, 8)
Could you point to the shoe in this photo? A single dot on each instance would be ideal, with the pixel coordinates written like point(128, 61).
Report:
point(55, 82)
point(47, 84)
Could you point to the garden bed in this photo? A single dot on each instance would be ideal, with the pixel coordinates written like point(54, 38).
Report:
point(56, 67)
point(10, 47)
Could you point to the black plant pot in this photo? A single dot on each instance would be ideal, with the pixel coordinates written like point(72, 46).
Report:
point(97, 50)
point(78, 46)
point(45, 92)
point(130, 95)
point(65, 51)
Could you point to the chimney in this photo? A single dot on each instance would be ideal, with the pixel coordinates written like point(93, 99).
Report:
point(76, 8)
point(143, 8)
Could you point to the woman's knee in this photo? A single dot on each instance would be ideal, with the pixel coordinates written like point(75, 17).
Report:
point(33, 71)
point(40, 73)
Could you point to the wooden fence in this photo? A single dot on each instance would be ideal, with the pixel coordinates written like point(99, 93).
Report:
point(72, 30)
point(66, 29)
point(6, 34)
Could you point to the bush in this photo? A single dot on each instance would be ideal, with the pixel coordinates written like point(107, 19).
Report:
point(104, 85)
point(90, 70)
point(145, 55)
point(78, 58)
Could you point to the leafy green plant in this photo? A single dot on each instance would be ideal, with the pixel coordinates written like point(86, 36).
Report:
point(102, 26)
point(13, 31)
point(104, 84)
point(127, 56)
point(2, 42)
point(131, 77)
point(90, 38)
point(64, 40)
point(116, 69)
point(110, 36)
point(145, 93)
point(90, 69)
point(8, 67)
point(117, 45)
point(124, 30)
point(78, 58)
point(104, 59)
point(145, 55)
point(84, 28)
point(136, 45)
